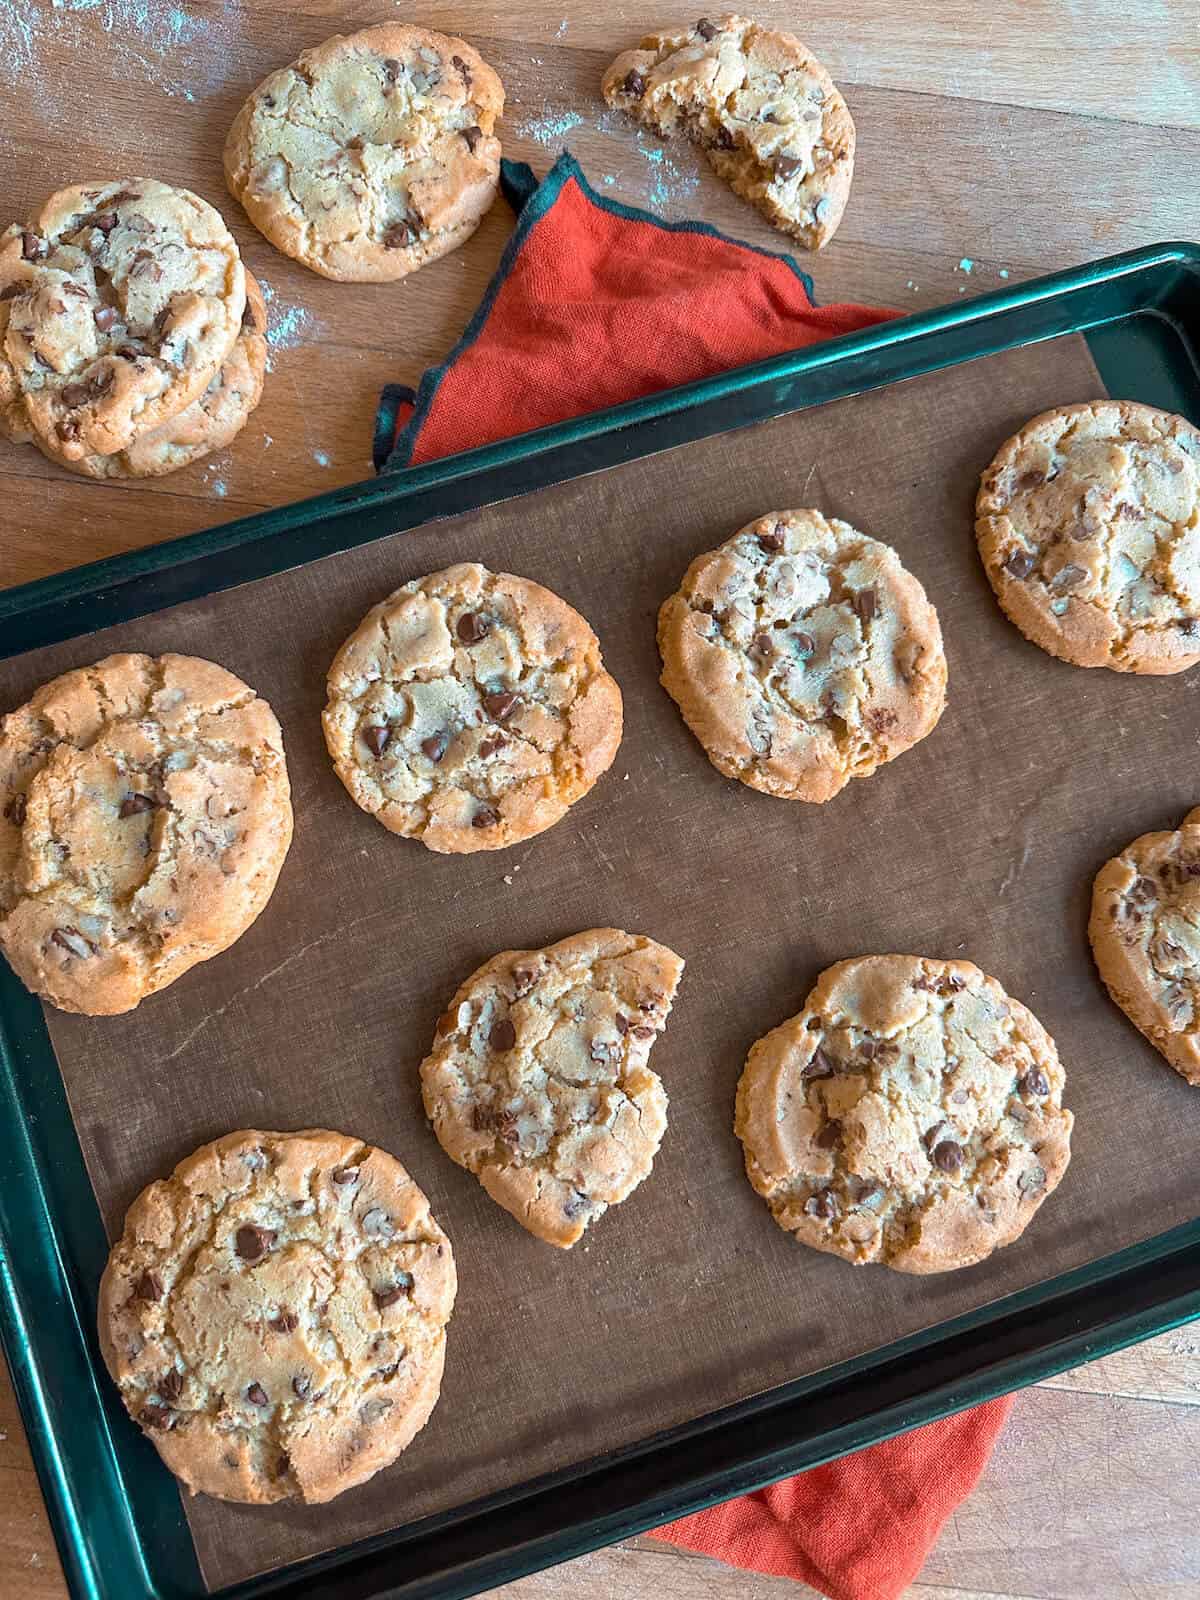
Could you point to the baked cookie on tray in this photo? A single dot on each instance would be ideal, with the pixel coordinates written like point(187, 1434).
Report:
point(134, 300)
point(209, 423)
point(538, 1080)
point(1088, 522)
point(762, 108)
point(802, 654)
point(910, 1115)
point(275, 1314)
point(372, 154)
point(1145, 934)
point(470, 709)
point(145, 813)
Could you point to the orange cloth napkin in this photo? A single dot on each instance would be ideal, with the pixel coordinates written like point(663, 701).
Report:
point(595, 303)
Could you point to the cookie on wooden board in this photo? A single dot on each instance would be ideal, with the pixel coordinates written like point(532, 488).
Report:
point(145, 813)
point(133, 301)
point(765, 112)
point(802, 654)
point(209, 423)
point(470, 709)
point(911, 1115)
point(1145, 934)
point(1088, 523)
point(275, 1314)
point(372, 154)
point(538, 1081)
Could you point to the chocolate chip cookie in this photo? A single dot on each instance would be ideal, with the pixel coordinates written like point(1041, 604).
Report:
point(372, 154)
point(761, 107)
point(145, 813)
point(1145, 933)
point(209, 423)
point(802, 654)
point(1088, 523)
point(15, 271)
point(470, 709)
point(910, 1115)
point(134, 299)
point(275, 1315)
point(538, 1081)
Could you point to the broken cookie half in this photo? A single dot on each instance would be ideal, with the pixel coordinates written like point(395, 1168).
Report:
point(538, 1081)
point(767, 114)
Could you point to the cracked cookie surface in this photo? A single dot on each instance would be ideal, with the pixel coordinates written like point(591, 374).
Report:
point(765, 112)
point(1088, 523)
point(911, 1115)
point(802, 654)
point(1145, 934)
point(145, 813)
point(275, 1314)
point(133, 301)
point(372, 154)
point(470, 709)
point(538, 1081)
point(209, 423)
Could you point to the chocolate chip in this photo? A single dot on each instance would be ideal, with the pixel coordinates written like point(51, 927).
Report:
point(149, 1286)
point(106, 318)
point(170, 1385)
point(11, 291)
point(280, 1467)
point(523, 980)
point(75, 394)
point(771, 541)
point(392, 68)
point(485, 817)
point(501, 705)
point(864, 604)
point(253, 1242)
point(462, 68)
point(32, 248)
point(823, 1204)
point(642, 1033)
point(344, 1175)
point(828, 1136)
point(145, 266)
point(285, 1322)
point(376, 736)
point(787, 167)
point(490, 747)
point(472, 627)
point(71, 940)
point(156, 1417)
point(397, 235)
point(1020, 564)
point(762, 645)
point(472, 136)
point(806, 645)
point(503, 1035)
point(706, 29)
point(1069, 577)
point(575, 1206)
point(249, 318)
point(723, 139)
point(399, 1290)
point(1174, 466)
point(1035, 1082)
point(302, 1386)
point(257, 1395)
point(634, 84)
point(1143, 889)
point(435, 746)
point(135, 803)
point(16, 810)
point(947, 1155)
point(819, 1067)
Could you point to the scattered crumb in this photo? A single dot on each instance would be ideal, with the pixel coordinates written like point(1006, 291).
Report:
point(911, 285)
point(625, 779)
point(608, 180)
point(320, 458)
point(1004, 272)
point(536, 61)
point(508, 878)
point(220, 488)
point(267, 441)
point(561, 32)
point(966, 265)
point(548, 130)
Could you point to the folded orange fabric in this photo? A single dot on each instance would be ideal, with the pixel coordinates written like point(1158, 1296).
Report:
point(595, 303)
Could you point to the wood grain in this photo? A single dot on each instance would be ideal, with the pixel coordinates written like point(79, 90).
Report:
point(1019, 136)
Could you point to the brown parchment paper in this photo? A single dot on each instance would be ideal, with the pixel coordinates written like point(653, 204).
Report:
point(982, 841)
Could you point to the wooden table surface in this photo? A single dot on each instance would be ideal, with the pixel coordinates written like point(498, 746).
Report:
point(996, 142)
